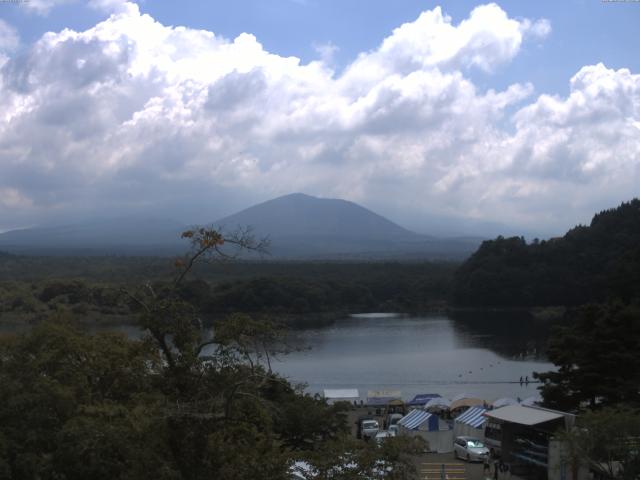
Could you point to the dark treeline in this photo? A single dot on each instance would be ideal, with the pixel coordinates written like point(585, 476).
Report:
point(91, 287)
point(589, 264)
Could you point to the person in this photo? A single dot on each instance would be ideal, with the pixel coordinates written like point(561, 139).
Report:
point(502, 466)
point(495, 470)
point(486, 466)
point(521, 380)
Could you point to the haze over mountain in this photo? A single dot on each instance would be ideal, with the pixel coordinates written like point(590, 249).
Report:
point(298, 226)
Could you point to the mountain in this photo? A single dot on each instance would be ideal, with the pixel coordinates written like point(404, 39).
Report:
point(588, 264)
point(300, 215)
point(302, 226)
point(299, 227)
point(123, 236)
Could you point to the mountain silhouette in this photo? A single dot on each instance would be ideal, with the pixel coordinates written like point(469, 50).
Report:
point(298, 226)
point(303, 226)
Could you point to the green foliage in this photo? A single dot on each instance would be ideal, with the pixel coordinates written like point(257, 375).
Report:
point(291, 291)
point(588, 264)
point(606, 441)
point(180, 404)
point(596, 352)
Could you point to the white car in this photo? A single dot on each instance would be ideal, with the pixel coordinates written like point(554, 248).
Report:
point(369, 428)
point(470, 449)
point(382, 435)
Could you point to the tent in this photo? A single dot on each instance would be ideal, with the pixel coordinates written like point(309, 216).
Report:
point(531, 401)
point(381, 398)
point(341, 395)
point(465, 402)
point(503, 402)
point(419, 419)
point(422, 399)
point(437, 404)
point(470, 423)
point(429, 426)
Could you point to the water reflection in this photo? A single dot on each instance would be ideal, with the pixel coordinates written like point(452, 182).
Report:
point(512, 334)
point(422, 354)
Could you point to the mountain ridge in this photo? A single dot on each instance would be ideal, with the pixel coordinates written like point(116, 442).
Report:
point(299, 226)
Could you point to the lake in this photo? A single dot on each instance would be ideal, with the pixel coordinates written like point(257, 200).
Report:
point(482, 354)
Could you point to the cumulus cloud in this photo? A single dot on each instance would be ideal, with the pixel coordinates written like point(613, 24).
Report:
point(9, 38)
point(135, 113)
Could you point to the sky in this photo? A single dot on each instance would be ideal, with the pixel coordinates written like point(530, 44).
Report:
point(447, 117)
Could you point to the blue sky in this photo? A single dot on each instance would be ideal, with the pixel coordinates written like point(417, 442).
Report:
point(385, 127)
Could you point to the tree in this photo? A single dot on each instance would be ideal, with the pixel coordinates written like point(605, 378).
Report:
point(605, 441)
point(180, 404)
point(596, 353)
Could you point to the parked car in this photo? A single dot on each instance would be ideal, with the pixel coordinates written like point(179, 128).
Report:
point(369, 428)
point(392, 419)
point(470, 449)
point(382, 435)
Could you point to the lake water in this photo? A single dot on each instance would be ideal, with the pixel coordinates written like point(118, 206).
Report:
point(483, 355)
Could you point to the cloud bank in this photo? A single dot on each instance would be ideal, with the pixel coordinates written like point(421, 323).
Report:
point(135, 114)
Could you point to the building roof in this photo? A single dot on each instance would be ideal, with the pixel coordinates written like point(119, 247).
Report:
point(523, 415)
point(473, 417)
point(341, 393)
point(414, 419)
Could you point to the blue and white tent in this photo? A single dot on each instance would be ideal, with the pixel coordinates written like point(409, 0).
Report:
point(470, 423)
point(419, 420)
point(437, 433)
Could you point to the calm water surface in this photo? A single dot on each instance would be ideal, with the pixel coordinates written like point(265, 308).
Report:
point(483, 355)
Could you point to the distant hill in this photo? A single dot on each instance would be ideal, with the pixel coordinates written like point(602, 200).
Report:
point(123, 236)
point(588, 264)
point(302, 226)
point(299, 227)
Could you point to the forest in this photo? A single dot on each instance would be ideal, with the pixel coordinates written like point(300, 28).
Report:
point(75, 405)
point(91, 287)
point(588, 264)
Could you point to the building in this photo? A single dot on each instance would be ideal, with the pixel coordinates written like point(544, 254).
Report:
point(525, 435)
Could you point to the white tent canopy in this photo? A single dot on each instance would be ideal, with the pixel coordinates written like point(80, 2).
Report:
point(531, 401)
point(503, 402)
point(437, 403)
point(341, 395)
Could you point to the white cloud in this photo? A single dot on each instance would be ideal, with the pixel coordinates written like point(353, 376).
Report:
point(9, 38)
point(132, 112)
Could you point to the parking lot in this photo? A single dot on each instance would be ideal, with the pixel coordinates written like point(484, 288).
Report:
point(431, 466)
